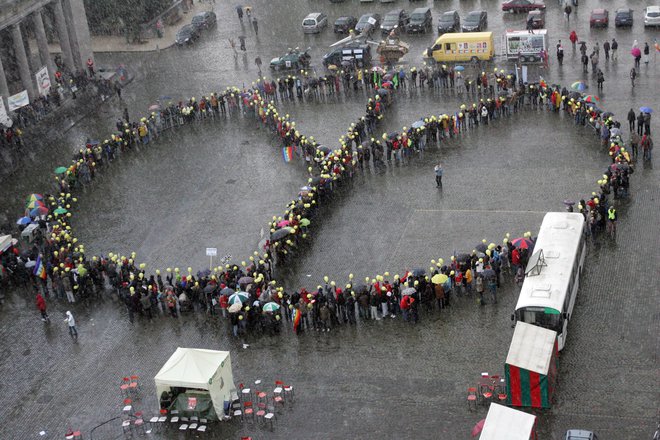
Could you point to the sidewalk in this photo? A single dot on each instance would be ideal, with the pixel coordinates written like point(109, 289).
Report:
point(103, 43)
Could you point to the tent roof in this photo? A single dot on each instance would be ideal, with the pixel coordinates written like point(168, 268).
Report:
point(191, 367)
point(504, 422)
point(531, 347)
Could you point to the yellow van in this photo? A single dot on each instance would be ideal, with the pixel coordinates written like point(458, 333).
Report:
point(462, 46)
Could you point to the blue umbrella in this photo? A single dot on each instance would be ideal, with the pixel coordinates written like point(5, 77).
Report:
point(24, 221)
point(418, 124)
point(459, 68)
point(648, 110)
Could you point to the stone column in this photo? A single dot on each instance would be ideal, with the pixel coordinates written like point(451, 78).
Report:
point(4, 88)
point(21, 58)
point(81, 43)
point(42, 42)
point(63, 35)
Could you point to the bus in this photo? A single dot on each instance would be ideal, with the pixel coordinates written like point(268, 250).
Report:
point(462, 46)
point(547, 296)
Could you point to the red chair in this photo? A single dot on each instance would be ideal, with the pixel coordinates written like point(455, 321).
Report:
point(248, 410)
point(472, 398)
point(486, 393)
point(128, 406)
point(134, 385)
point(124, 386)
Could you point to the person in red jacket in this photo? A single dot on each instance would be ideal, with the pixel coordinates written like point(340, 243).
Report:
point(41, 305)
point(515, 259)
point(573, 37)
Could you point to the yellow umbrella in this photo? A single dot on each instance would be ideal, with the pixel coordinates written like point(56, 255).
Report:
point(439, 278)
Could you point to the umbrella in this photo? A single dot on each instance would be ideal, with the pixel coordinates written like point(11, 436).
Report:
point(271, 307)
point(580, 86)
point(569, 202)
point(209, 288)
point(283, 223)
point(607, 115)
point(33, 197)
point(304, 222)
point(332, 67)
point(34, 204)
point(280, 234)
point(245, 280)
point(481, 247)
point(488, 273)
point(459, 68)
point(60, 170)
point(636, 52)
point(382, 91)
point(236, 307)
point(377, 69)
point(60, 210)
point(574, 95)
point(39, 210)
point(23, 221)
point(478, 427)
point(418, 124)
point(418, 272)
point(93, 142)
point(463, 257)
point(226, 291)
point(523, 243)
point(238, 297)
point(154, 107)
point(30, 264)
point(648, 110)
point(408, 291)
point(439, 278)
point(388, 76)
point(591, 98)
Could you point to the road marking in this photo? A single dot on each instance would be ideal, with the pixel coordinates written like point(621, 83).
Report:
point(481, 211)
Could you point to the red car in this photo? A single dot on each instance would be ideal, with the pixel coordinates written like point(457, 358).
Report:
point(599, 17)
point(522, 5)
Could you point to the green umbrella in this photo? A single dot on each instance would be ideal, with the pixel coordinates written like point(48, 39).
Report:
point(60, 170)
point(238, 297)
point(271, 307)
point(305, 222)
point(60, 210)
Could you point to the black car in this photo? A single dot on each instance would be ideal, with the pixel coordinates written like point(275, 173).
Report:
point(475, 21)
point(344, 24)
point(358, 54)
point(186, 35)
point(623, 17)
point(204, 20)
point(369, 20)
point(396, 18)
point(421, 20)
point(449, 21)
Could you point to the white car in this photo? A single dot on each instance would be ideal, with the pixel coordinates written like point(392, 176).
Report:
point(652, 16)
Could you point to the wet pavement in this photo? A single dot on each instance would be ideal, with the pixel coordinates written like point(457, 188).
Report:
point(218, 184)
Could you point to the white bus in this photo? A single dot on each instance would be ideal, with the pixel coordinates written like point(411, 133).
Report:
point(553, 272)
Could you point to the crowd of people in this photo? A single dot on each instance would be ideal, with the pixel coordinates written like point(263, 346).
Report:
point(248, 293)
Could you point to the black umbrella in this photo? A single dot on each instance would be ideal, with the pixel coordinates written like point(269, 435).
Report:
point(246, 280)
point(488, 273)
point(280, 234)
point(607, 115)
point(574, 95)
point(481, 247)
point(418, 272)
point(323, 149)
point(209, 288)
point(463, 257)
point(227, 291)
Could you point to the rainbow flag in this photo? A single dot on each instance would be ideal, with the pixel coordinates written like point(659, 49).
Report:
point(40, 269)
point(287, 154)
point(296, 320)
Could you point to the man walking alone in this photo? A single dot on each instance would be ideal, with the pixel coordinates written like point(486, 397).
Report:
point(438, 175)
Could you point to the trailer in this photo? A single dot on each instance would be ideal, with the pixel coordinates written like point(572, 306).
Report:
point(525, 46)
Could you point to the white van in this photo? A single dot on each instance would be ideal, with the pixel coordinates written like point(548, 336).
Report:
point(314, 23)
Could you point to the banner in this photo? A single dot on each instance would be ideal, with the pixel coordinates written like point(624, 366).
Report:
point(43, 81)
point(4, 117)
point(18, 100)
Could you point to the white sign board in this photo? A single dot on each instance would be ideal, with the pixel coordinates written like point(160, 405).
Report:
point(18, 100)
point(371, 21)
point(4, 117)
point(43, 81)
point(211, 252)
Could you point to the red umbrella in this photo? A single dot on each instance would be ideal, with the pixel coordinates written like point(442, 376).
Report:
point(478, 427)
point(523, 243)
point(591, 98)
point(636, 52)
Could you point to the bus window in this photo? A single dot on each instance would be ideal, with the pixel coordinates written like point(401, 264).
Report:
point(542, 319)
point(447, 47)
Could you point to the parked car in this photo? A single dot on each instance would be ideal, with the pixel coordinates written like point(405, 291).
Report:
point(449, 21)
point(396, 18)
point(580, 434)
point(387, 1)
point(355, 53)
point(599, 18)
point(623, 17)
point(292, 60)
point(314, 23)
point(370, 20)
point(204, 20)
point(652, 16)
point(522, 5)
point(344, 24)
point(537, 17)
point(186, 35)
point(475, 21)
point(421, 20)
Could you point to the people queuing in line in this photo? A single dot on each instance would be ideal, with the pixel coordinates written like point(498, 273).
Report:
point(65, 271)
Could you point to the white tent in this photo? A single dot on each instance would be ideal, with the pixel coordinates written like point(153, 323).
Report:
point(199, 369)
point(503, 422)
